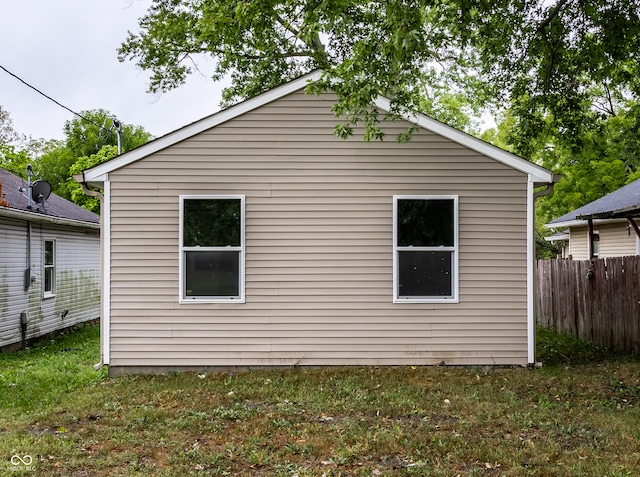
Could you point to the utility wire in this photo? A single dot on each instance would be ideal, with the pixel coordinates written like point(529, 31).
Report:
point(49, 97)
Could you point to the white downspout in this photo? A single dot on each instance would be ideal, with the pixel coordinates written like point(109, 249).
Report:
point(531, 262)
point(531, 273)
point(105, 234)
point(106, 274)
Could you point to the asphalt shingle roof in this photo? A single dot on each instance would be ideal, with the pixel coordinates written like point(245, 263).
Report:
point(55, 206)
point(625, 198)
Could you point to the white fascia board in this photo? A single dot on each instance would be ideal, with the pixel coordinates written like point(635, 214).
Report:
point(97, 181)
point(568, 223)
point(538, 174)
point(99, 173)
point(48, 219)
point(581, 223)
point(557, 237)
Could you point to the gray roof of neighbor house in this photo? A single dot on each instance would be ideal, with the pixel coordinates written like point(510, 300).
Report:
point(620, 203)
point(56, 209)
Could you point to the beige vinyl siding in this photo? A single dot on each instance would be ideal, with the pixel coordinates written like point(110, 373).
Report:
point(616, 240)
point(578, 242)
point(318, 249)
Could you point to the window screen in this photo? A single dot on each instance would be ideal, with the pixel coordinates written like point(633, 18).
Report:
point(425, 248)
point(212, 246)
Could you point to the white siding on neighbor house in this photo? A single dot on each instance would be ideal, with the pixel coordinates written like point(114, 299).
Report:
point(77, 279)
point(318, 249)
point(617, 239)
point(578, 240)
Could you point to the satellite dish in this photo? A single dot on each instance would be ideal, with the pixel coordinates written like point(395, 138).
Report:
point(40, 191)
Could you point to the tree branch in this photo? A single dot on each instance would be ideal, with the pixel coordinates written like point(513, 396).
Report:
point(553, 13)
point(612, 109)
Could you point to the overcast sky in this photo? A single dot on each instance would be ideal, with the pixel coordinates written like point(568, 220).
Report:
point(67, 49)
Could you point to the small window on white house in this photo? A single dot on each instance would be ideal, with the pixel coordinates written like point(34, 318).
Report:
point(596, 244)
point(211, 249)
point(49, 268)
point(425, 260)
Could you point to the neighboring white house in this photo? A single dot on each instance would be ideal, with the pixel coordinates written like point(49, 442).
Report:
point(254, 237)
point(607, 227)
point(49, 264)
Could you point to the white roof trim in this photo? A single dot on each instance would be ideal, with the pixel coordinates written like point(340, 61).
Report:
point(45, 219)
point(99, 173)
point(557, 237)
point(538, 173)
point(568, 223)
point(581, 223)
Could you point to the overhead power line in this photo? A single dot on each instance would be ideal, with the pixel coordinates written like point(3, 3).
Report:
point(49, 97)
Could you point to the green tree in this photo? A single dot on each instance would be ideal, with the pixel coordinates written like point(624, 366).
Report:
point(14, 160)
point(84, 137)
point(364, 48)
point(8, 135)
point(539, 55)
point(565, 73)
point(75, 190)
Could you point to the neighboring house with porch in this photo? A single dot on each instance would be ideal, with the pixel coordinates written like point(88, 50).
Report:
point(255, 237)
point(49, 263)
point(607, 227)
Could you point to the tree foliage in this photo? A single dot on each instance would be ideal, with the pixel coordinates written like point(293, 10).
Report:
point(75, 190)
point(89, 140)
point(8, 135)
point(364, 48)
point(543, 56)
point(84, 137)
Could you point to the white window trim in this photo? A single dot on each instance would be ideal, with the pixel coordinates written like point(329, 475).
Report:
point(596, 232)
point(241, 249)
point(455, 249)
point(52, 292)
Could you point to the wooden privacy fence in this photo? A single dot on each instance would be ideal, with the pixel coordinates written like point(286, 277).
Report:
point(594, 300)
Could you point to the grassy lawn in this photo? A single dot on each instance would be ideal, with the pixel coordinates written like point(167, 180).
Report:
point(577, 416)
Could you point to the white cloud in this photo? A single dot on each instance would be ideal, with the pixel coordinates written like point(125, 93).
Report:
point(67, 49)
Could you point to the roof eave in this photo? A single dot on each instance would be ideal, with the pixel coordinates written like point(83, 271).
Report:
point(566, 223)
point(41, 218)
point(581, 223)
point(623, 213)
point(538, 174)
point(559, 237)
point(98, 174)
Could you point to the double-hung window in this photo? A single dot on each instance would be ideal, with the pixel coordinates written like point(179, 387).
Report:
point(49, 268)
point(212, 248)
point(425, 243)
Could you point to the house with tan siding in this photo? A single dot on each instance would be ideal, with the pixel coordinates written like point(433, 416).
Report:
point(256, 238)
point(607, 227)
point(49, 264)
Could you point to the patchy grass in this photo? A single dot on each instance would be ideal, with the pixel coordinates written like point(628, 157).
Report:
point(556, 349)
point(577, 416)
